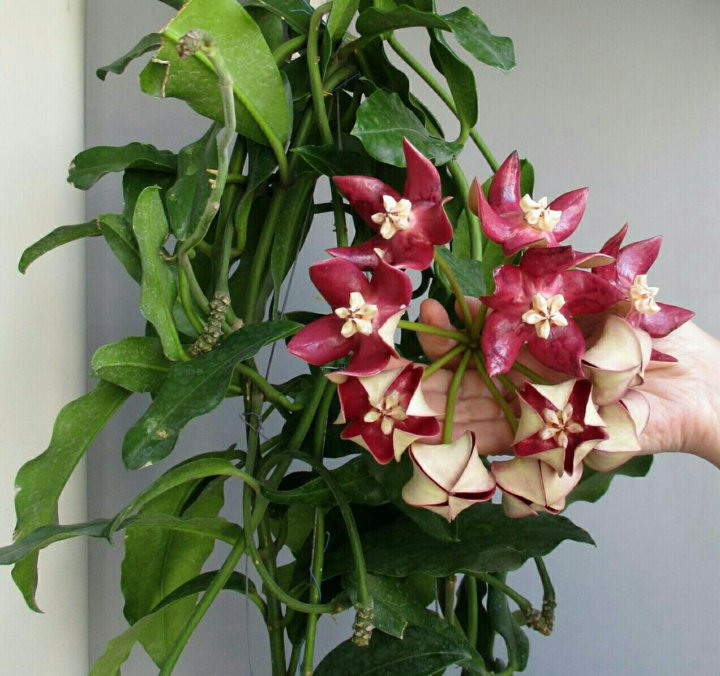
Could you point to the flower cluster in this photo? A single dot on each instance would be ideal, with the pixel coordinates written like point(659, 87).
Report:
point(589, 319)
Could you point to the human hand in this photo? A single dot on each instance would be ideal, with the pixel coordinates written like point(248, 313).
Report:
point(683, 400)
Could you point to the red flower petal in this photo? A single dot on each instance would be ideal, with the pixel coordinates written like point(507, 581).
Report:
point(502, 338)
point(422, 181)
point(661, 323)
point(320, 341)
point(562, 350)
point(353, 399)
point(572, 204)
point(496, 227)
point(371, 356)
point(390, 288)
point(509, 291)
point(407, 251)
point(336, 279)
point(612, 246)
point(546, 262)
point(421, 427)
point(363, 255)
point(523, 236)
point(379, 444)
point(656, 355)
point(504, 194)
point(365, 195)
point(636, 258)
point(586, 293)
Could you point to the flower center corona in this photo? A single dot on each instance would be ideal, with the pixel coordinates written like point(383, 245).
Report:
point(642, 296)
point(538, 216)
point(395, 218)
point(358, 317)
point(559, 426)
point(545, 313)
point(388, 408)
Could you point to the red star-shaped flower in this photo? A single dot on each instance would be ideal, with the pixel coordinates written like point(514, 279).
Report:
point(559, 424)
point(535, 304)
point(408, 225)
point(385, 412)
point(517, 221)
point(628, 274)
point(364, 318)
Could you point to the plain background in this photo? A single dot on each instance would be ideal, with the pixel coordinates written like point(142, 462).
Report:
point(623, 97)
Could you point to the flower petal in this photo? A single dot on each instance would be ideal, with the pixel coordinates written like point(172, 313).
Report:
point(562, 350)
point(636, 258)
point(504, 194)
point(502, 338)
point(354, 400)
point(422, 182)
point(444, 463)
point(572, 204)
point(364, 254)
point(546, 262)
point(509, 291)
point(336, 279)
point(320, 341)
point(662, 323)
point(391, 288)
point(586, 293)
point(371, 356)
point(365, 195)
point(498, 228)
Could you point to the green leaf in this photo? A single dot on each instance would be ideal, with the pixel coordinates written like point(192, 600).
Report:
point(118, 650)
point(270, 25)
point(328, 160)
point(177, 4)
point(157, 288)
point(383, 121)
point(160, 560)
point(375, 21)
point(147, 44)
point(89, 166)
point(41, 480)
point(468, 272)
point(341, 16)
point(192, 389)
point(137, 364)
point(353, 479)
point(487, 541)
point(459, 76)
point(187, 198)
point(56, 238)
point(296, 13)
point(594, 485)
point(188, 471)
point(502, 621)
point(248, 58)
point(421, 651)
point(472, 33)
point(136, 180)
point(120, 238)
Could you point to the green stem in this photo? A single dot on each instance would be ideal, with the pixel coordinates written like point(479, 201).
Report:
point(495, 392)
point(472, 609)
point(476, 239)
point(452, 396)
point(518, 598)
point(271, 394)
point(318, 551)
point(195, 290)
point(508, 384)
point(288, 48)
point(548, 589)
point(236, 178)
point(294, 659)
point(411, 61)
point(457, 291)
point(445, 359)
point(187, 302)
point(449, 605)
point(530, 374)
point(273, 141)
point(419, 327)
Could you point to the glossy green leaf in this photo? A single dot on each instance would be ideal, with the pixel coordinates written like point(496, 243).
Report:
point(157, 289)
point(137, 364)
point(331, 161)
point(136, 180)
point(118, 650)
point(176, 4)
point(188, 471)
point(120, 238)
point(160, 560)
point(270, 25)
point(383, 121)
point(251, 65)
point(341, 16)
point(421, 651)
point(41, 480)
point(56, 238)
point(468, 272)
point(472, 33)
point(353, 479)
point(187, 198)
point(487, 541)
point(192, 389)
point(89, 166)
point(502, 621)
point(594, 485)
point(296, 13)
point(459, 76)
point(375, 21)
point(147, 44)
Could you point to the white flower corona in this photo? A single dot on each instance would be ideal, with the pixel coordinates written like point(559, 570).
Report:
point(395, 218)
point(560, 426)
point(388, 408)
point(642, 296)
point(358, 316)
point(545, 313)
point(537, 215)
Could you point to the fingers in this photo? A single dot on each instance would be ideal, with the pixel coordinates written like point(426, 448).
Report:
point(431, 312)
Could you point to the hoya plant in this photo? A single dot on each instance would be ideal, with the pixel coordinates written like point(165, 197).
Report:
point(429, 498)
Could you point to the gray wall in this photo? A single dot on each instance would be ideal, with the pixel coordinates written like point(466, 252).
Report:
point(619, 96)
